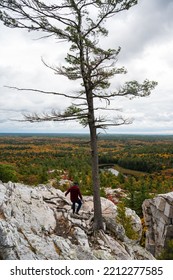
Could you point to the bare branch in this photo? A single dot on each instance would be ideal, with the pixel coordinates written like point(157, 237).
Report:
point(47, 92)
point(119, 120)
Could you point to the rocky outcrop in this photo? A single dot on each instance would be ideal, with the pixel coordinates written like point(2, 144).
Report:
point(158, 215)
point(36, 224)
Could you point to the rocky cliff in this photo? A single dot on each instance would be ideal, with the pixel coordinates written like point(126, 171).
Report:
point(36, 223)
point(158, 214)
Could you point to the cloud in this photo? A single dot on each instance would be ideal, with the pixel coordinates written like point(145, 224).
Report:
point(145, 35)
point(147, 23)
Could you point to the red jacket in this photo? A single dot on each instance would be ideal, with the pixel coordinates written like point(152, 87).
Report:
point(74, 193)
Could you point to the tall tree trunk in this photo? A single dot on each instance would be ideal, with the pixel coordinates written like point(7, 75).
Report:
point(98, 221)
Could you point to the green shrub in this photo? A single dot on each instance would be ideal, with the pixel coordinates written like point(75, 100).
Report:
point(167, 253)
point(126, 221)
point(7, 173)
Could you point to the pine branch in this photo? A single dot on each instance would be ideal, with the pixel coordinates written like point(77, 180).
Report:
point(55, 117)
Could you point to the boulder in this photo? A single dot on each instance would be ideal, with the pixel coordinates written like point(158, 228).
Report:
point(158, 216)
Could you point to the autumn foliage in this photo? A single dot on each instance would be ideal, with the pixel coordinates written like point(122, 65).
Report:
point(145, 163)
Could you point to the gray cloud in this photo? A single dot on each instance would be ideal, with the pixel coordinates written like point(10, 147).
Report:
point(149, 22)
point(145, 35)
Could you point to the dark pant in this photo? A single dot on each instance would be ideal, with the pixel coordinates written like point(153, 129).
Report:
point(79, 202)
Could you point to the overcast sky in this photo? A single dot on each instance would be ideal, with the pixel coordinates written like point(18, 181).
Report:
point(145, 35)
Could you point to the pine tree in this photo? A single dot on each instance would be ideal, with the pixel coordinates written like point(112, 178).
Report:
point(81, 23)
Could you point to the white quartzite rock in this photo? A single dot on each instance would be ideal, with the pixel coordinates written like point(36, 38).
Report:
point(158, 214)
point(36, 223)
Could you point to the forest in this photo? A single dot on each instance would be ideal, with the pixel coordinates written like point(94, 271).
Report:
point(144, 163)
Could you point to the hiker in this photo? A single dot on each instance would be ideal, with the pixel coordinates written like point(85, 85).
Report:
point(75, 197)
